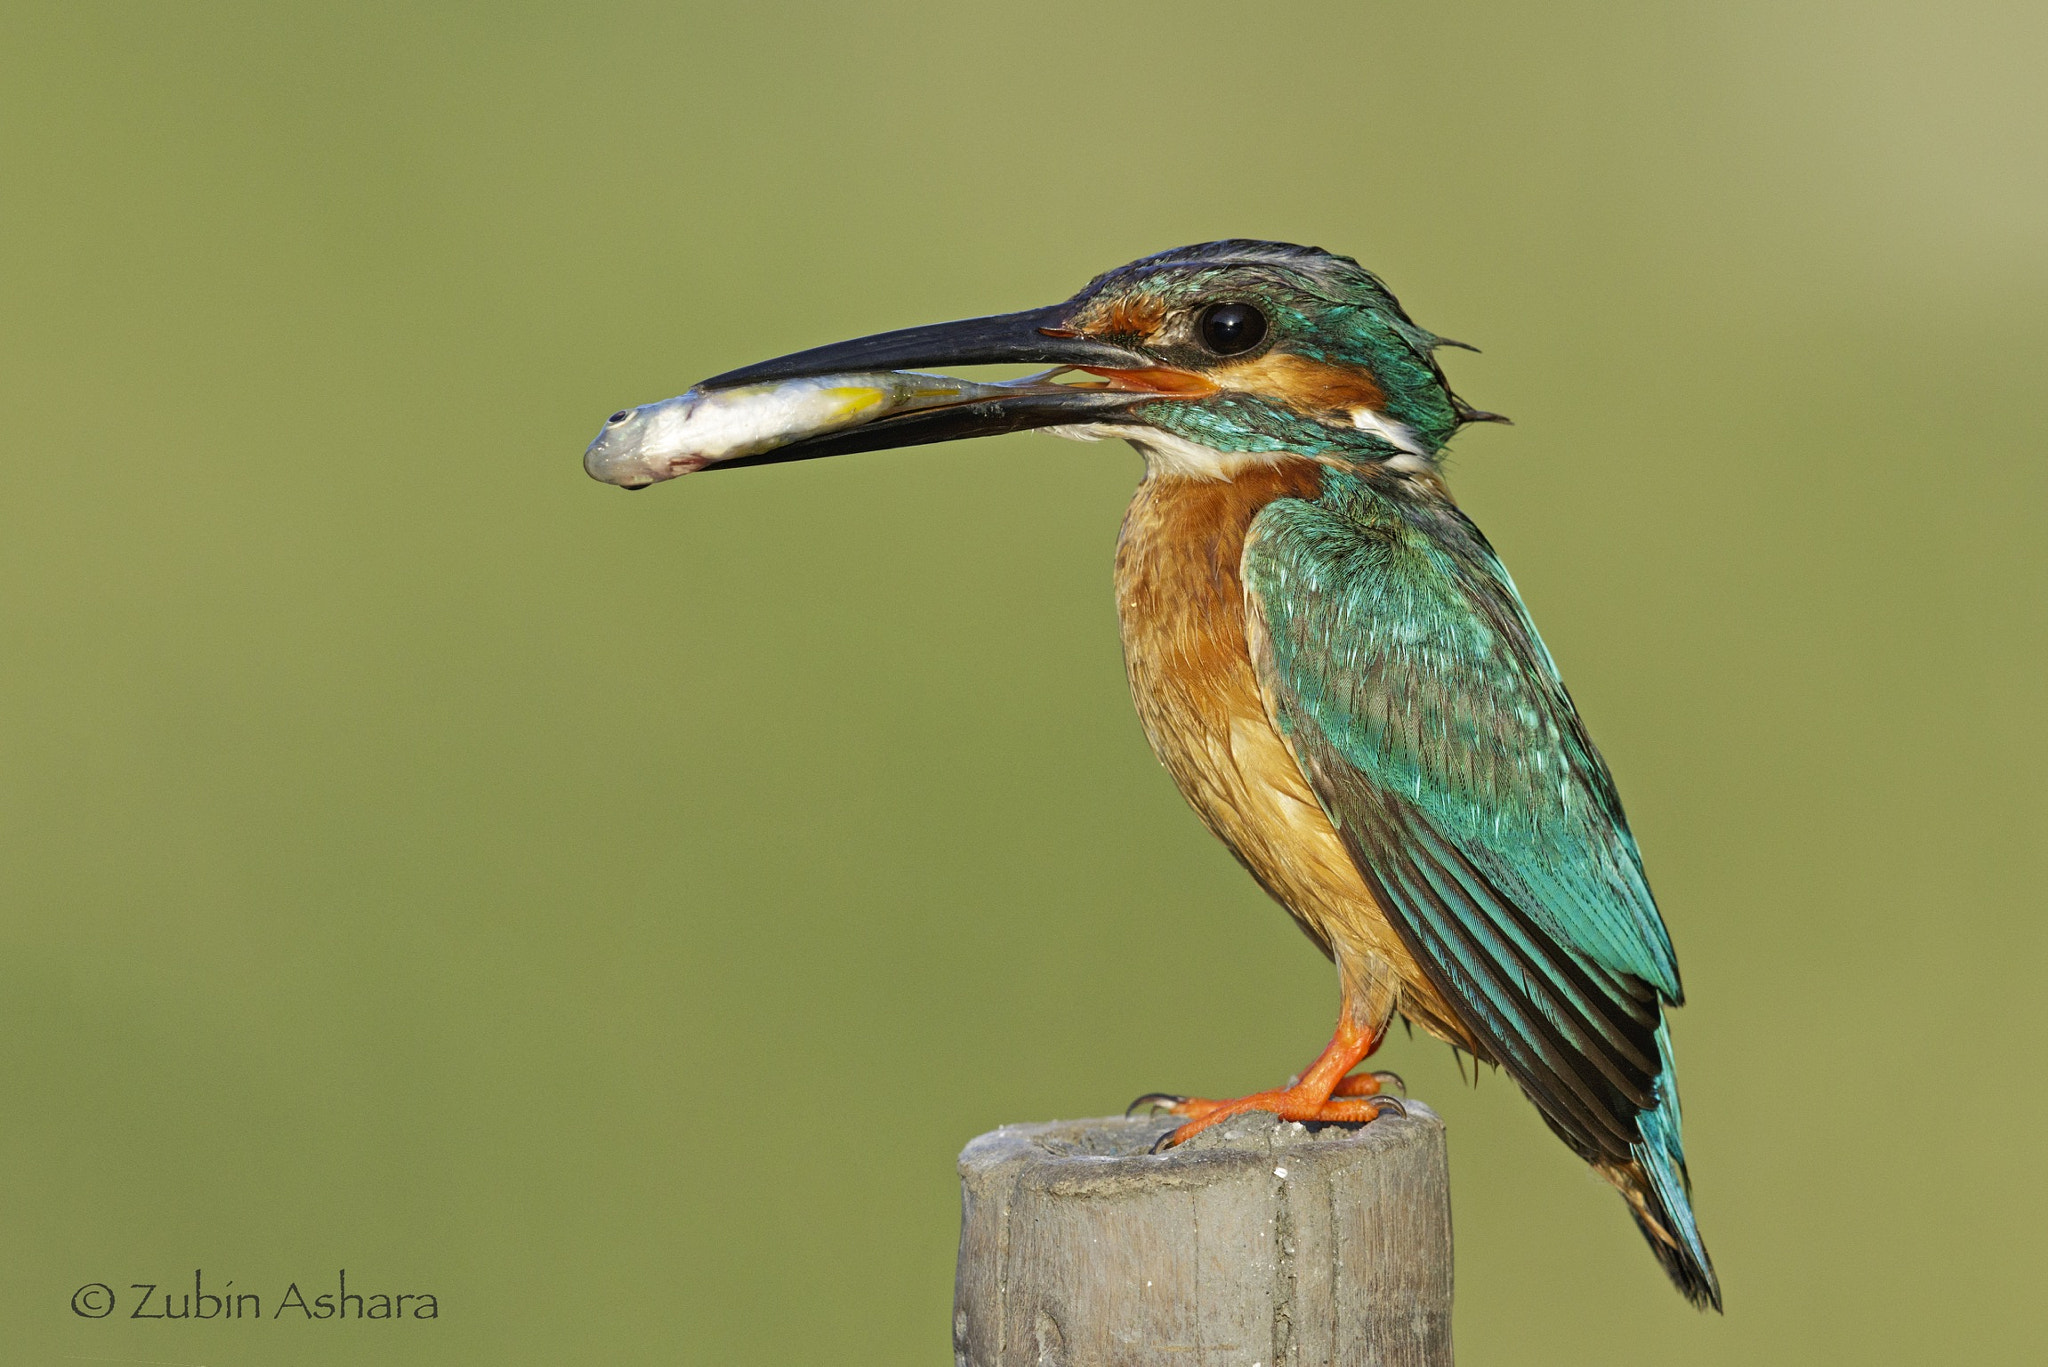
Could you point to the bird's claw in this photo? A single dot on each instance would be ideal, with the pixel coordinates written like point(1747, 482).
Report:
point(1359, 1110)
point(1157, 1101)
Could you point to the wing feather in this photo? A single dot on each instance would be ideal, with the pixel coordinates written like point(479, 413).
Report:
point(1396, 657)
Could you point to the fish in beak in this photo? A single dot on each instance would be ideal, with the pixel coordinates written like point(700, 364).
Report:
point(870, 394)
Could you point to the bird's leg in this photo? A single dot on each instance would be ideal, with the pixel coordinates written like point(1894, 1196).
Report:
point(1309, 1096)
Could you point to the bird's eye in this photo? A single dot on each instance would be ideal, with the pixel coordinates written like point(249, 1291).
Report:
point(1228, 329)
point(620, 416)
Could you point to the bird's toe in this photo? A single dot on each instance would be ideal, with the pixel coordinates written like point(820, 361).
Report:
point(1369, 1084)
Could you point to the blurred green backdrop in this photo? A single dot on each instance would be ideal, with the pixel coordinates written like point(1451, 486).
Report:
point(612, 914)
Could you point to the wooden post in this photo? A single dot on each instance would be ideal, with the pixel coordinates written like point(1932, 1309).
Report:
point(1256, 1244)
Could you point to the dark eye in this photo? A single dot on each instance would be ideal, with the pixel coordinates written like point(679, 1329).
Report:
point(620, 416)
point(1228, 329)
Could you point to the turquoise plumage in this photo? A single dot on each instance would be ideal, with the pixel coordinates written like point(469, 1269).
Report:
point(1421, 704)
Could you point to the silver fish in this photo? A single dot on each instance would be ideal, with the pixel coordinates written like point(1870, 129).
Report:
point(658, 441)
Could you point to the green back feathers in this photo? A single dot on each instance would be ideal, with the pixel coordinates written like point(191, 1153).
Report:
point(1397, 632)
point(1413, 689)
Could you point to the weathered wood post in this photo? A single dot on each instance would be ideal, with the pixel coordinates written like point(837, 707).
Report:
point(1256, 1244)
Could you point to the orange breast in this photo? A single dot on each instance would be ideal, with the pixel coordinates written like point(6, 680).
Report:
point(1181, 605)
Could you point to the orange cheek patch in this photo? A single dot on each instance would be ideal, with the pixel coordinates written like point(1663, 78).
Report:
point(1305, 385)
point(1125, 317)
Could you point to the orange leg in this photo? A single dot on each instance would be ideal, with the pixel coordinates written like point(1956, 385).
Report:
point(1309, 1096)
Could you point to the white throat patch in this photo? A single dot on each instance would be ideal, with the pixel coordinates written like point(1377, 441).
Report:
point(1167, 454)
point(1400, 436)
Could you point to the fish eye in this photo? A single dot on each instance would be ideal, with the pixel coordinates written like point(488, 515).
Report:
point(1228, 329)
point(620, 416)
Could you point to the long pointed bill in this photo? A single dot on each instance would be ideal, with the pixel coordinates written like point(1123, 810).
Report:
point(1033, 337)
point(863, 396)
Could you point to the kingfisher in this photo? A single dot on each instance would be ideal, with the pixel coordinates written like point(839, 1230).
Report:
point(1335, 667)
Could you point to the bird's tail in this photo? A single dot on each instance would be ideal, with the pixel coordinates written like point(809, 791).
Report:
point(1660, 1193)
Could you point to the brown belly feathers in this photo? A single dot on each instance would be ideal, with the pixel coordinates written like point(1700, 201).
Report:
point(1181, 605)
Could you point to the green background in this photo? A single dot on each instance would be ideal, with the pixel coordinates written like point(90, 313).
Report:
point(611, 914)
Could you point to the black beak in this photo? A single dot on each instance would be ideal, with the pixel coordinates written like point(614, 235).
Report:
point(1033, 337)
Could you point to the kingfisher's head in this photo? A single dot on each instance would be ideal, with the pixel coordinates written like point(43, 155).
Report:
point(1205, 357)
point(1266, 346)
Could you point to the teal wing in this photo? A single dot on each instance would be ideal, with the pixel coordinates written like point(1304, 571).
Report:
point(1399, 662)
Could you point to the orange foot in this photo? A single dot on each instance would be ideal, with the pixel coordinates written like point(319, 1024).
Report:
point(1308, 1098)
point(1199, 1108)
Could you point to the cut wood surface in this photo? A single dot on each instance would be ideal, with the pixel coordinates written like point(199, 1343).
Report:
point(1258, 1243)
